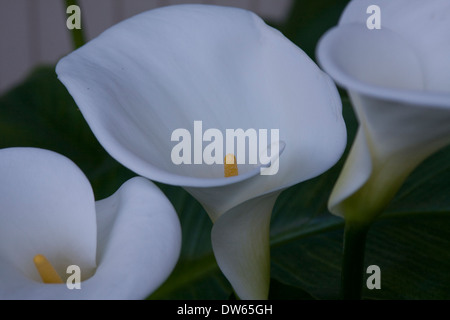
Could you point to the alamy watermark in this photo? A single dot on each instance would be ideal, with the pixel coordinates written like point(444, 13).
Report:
point(74, 20)
point(374, 20)
point(374, 280)
point(74, 280)
point(258, 150)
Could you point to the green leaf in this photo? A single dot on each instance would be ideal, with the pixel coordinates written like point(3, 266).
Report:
point(282, 291)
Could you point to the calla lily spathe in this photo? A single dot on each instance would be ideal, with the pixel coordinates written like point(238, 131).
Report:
point(166, 68)
point(398, 79)
point(125, 245)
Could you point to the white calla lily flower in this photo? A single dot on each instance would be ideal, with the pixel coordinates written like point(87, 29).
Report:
point(173, 67)
point(125, 246)
point(398, 79)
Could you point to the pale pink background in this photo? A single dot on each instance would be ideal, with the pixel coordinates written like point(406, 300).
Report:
point(34, 32)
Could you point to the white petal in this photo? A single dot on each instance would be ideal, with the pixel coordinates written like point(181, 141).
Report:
point(394, 138)
point(139, 242)
point(402, 119)
point(14, 285)
point(166, 68)
point(354, 55)
point(240, 240)
point(47, 207)
point(422, 24)
point(355, 173)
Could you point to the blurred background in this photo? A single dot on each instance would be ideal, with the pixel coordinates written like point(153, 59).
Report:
point(34, 32)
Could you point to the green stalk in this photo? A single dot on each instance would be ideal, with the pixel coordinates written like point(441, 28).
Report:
point(78, 39)
point(353, 260)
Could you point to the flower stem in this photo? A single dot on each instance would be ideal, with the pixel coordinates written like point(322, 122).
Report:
point(78, 39)
point(353, 260)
